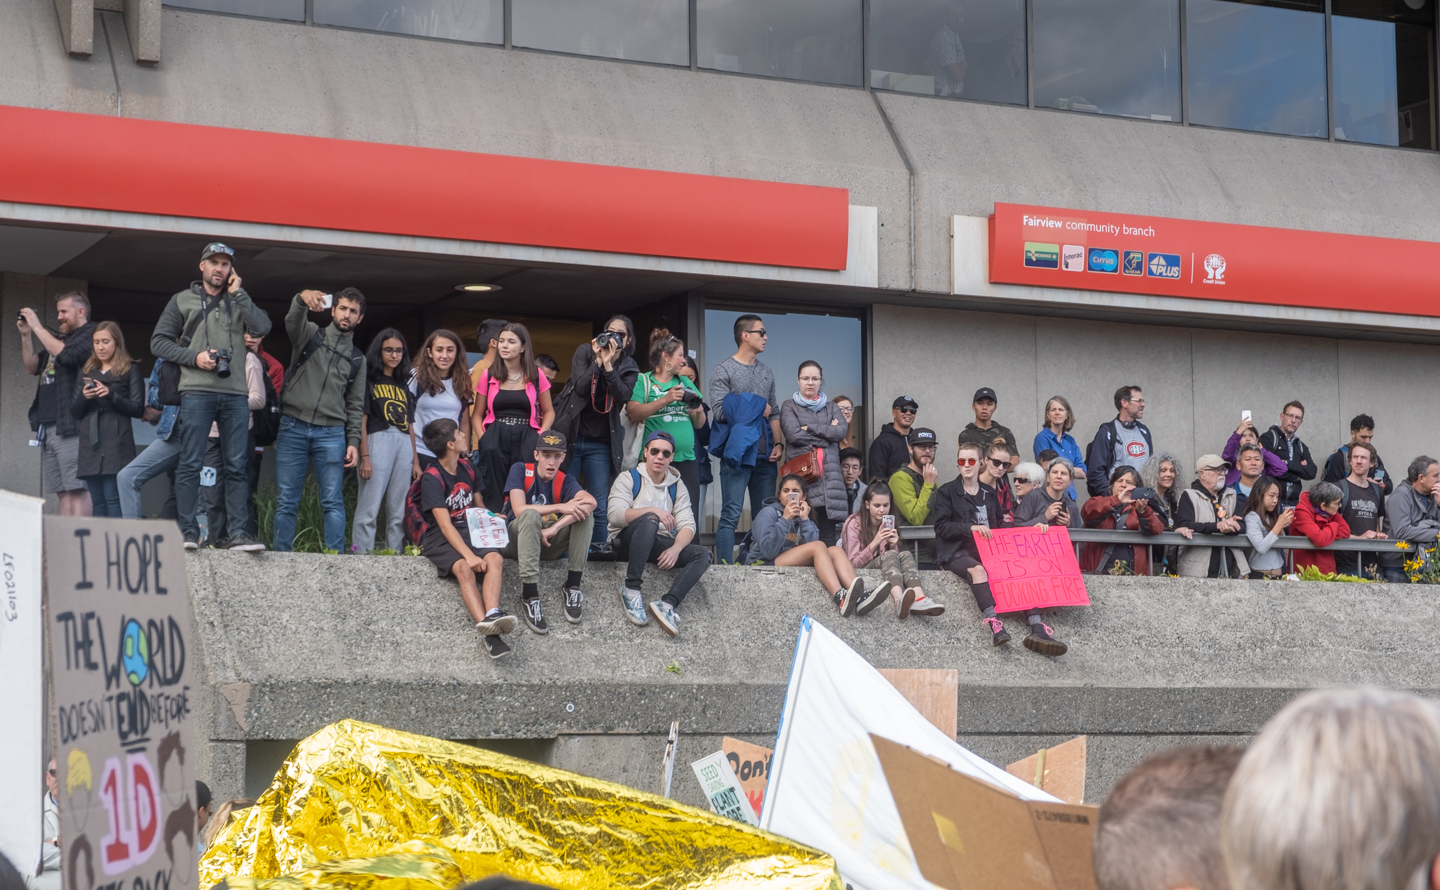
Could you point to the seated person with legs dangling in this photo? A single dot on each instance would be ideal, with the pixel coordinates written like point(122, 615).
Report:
point(651, 521)
point(870, 534)
point(550, 516)
point(961, 509)
point(447, 489)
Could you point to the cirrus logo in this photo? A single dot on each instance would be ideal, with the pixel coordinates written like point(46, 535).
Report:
point(1103, 259)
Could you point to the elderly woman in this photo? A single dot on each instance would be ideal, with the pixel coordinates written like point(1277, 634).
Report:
point(812, 424)
point(1026, 477)
point(1162, 475)
point(1119, 510)
point(1341, 789)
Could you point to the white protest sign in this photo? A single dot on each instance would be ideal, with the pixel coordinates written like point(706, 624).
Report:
point(827, 787)
point(21, 632)
point(722, 788)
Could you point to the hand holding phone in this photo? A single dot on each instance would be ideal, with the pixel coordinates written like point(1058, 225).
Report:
point(887, 522)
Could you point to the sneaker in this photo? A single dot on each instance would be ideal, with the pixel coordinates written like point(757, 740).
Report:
point(217, 544)
point(907, 602)
point(665, 614)
point(873, 599)
point(497, 647)
point(1042, 640)
point(573, 597)
point(999, 636)
point(924, 605)
point(533, 619)
point(502, 623)
point(851, 597)
point(243, 541)
point(192, 541)
point(634, 605)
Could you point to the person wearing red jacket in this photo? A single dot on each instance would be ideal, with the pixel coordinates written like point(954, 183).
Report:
point(1118, 509)
point(1322, 524)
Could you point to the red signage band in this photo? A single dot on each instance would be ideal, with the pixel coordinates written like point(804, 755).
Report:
point(154, 167)
point(1051, 247)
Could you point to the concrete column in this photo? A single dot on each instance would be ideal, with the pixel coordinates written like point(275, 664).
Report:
point(77, 26)
point(142, 26)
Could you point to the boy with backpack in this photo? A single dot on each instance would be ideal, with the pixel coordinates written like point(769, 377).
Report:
point(435, 518)
point(651, 521)
point(550, 516)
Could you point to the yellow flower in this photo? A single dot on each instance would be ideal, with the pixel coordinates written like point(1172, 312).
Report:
point(1402, 545)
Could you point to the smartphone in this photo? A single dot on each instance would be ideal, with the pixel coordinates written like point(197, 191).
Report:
point(887, 522)
point(793, 497)
point(1245, 416)
point(1380, 475)
point(327, 300)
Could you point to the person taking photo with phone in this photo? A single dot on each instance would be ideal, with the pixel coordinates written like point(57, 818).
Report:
point(57, 363)
point(111, 391)
point(1127, 506)
point(1265, 523)
point(1050, 502)
point(201, 332)
point(869, 534)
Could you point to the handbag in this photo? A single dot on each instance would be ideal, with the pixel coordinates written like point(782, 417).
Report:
point(634, 439)
point(810, 466)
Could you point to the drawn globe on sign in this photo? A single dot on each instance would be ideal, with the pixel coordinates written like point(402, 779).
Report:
point(135, 653)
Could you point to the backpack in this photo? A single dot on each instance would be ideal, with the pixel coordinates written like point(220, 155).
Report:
point(529, 481)
point(635, 487)
point(416, 522)
point(357, 360)
point(266, 421)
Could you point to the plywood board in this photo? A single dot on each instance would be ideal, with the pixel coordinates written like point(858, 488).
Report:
point(1062, 770)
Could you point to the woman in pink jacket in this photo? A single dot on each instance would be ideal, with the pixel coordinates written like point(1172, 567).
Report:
point(866, 536)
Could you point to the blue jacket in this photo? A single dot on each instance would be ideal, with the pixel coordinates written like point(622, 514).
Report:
point(737, 438)
point(166, 426)
point(771, 534)
point(1065, 446)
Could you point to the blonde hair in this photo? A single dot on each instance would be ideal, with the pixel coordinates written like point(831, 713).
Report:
point(1340, 791)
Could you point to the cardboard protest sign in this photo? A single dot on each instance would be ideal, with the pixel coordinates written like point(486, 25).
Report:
point(119, 622)
point(1032, 569)
point(751, 764)
point(722, 789)
point(1060, 770)
point(21, 628)
point(970, 835)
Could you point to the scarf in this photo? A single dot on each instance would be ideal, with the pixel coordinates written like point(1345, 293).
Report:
point(813, 404)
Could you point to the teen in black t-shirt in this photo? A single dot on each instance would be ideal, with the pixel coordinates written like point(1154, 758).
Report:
point(387, 442)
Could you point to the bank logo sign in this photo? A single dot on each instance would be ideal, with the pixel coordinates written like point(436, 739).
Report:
point(1214, 269)
point(1072, 258)
point(1042, 256)
point(1134, 262)
point(1165, 265)
point(1103, 259)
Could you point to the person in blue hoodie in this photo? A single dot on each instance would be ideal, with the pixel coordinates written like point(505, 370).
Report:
point(783, 534)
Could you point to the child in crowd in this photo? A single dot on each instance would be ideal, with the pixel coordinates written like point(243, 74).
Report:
point(447, 490)
point(867, 535)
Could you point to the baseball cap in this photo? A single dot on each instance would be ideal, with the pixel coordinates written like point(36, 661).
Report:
point(921, 436)
point(215, 247)
point(660, 434)
point(550, 441)
point(905, 402)
point(985, 392)
point(1210, 462)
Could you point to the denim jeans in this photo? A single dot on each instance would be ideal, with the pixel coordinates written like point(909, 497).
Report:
point(104, 495)
point(296, 445)
point(593, 466)
point(232, 413)
point(643, 540)
point(759, 480)
point(160, 456)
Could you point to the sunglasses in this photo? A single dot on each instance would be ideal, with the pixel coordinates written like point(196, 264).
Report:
point(999, 463)
point(966, 461)
point(759, 332)
point(660, 452)
point(907, 410)
point(52, 771)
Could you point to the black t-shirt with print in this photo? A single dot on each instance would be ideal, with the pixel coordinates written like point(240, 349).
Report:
point(453, 492)
point(388, 404)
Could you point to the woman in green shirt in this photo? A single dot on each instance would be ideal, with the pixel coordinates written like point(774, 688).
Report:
point(665, 400)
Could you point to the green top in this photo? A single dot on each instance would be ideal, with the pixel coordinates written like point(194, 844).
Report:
point(673, 418)
point(911, 495)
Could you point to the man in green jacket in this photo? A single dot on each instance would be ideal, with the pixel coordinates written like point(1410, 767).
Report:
point(202, 331)
point(322, 406)
point(912, 487)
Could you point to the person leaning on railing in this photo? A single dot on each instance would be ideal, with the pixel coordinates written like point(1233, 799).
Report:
point(1265, 523)
point(1411, 512)
point(1119, 510)
point(1317, 517)
point(1207, 507)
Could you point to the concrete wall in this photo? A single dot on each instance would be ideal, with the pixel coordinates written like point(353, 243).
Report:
point(1152, 662)
point(1196, 381)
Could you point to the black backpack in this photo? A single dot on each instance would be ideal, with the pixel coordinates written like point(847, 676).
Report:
point(357, 360)
point(265, 422)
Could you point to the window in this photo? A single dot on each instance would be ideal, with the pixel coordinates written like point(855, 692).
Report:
point(816, 40)
point(471, 21)
point(644, 30)
point(971, 50)
point(1257, 66)
point(1118, 57)
point(287, 10)
point(1383, 52)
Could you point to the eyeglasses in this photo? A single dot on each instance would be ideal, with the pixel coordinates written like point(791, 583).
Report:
point(1296, 417)
point(999, 463)
point(844, 410)
point(906, 410)
point(966, 461)
point(393, 350)
point(660, 452)
point(1134, 401)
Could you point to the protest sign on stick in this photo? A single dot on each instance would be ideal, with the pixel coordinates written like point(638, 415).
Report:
point(1032, 569)
point(21, 628)
point(118, 621)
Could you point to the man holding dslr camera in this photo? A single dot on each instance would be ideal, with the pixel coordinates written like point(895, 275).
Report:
point(202, 332)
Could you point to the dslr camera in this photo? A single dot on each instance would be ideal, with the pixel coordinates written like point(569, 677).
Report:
point(692, 400)
point(608, 339)
point(222, 362)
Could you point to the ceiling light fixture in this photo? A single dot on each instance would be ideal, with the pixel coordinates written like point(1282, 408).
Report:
point(477, 288)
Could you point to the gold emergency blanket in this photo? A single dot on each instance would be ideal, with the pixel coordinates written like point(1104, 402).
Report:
point(362, 807)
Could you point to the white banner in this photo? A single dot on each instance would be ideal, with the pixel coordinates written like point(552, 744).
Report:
point(827, 788)
point(21, 764)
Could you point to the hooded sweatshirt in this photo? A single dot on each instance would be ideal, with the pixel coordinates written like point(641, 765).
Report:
point(889, 452)
point(315, 392)
point(624, 497)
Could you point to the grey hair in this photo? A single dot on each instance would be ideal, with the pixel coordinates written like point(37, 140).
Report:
point(1062, 462)
point(1322, 493)
point(1340, 791)
point(1030, 470)
point(1150, 473)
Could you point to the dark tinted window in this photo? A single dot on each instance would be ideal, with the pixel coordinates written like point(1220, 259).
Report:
point(969, 50)
point(1383, 53)
point(1109, 57)
point(289, 10)
point(815, 40)
point(644, 30)
point(1257, 66)
point(473, 21)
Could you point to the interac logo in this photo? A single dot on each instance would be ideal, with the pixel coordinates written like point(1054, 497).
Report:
point(1214, 269)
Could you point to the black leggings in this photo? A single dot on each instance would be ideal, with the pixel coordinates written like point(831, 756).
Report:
point(689, 471)
point(961, 564)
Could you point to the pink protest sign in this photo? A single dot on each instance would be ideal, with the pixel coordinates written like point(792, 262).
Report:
point(1031, 569)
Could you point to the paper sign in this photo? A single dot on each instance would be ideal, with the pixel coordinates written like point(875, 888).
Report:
point(21, 760)
point(1032, 569)
point(722, 789)
point(487, 530)
point(751, 765)
point(119, 626)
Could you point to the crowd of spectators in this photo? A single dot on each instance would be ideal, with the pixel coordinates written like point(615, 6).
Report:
point(614, 463)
